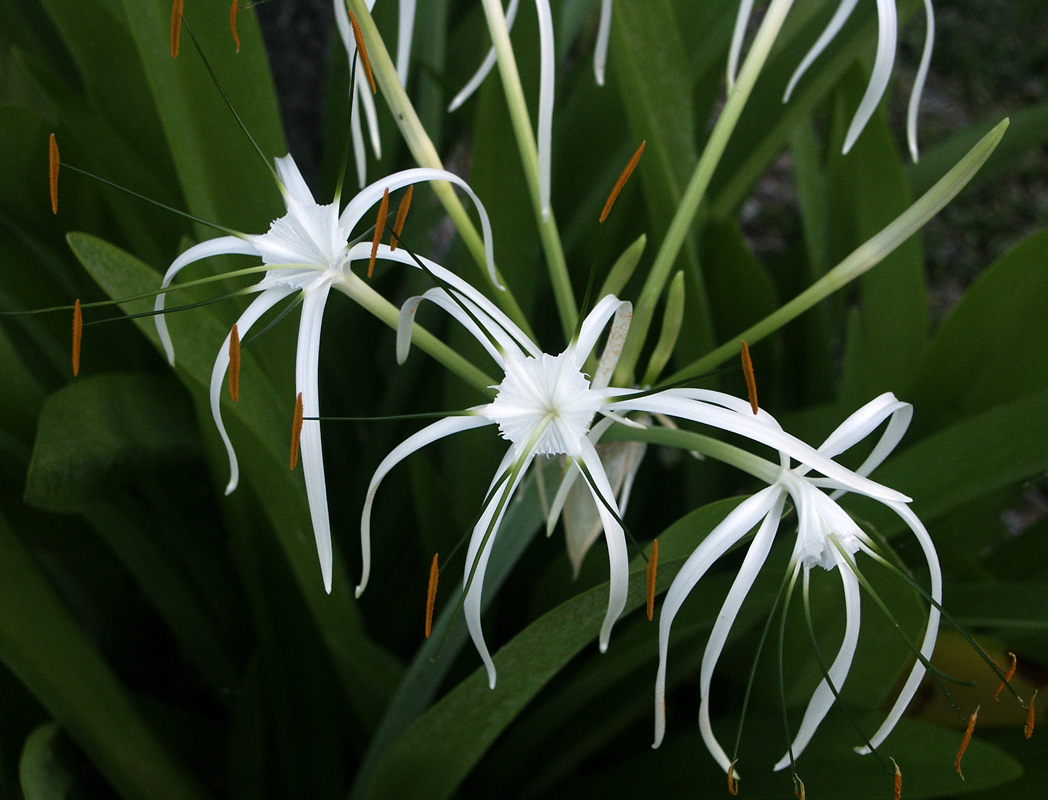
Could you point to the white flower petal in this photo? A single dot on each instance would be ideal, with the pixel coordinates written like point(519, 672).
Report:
point(405, 32)
point(593, 325)
point(600, 50)
point(489, 61)
point(479, 551)
point(887, 35)
point(918, 81)
point(756, 555)
point(259, 306)
point(609, 358)
point(840, 17)
point(442, 299)
point(931, 631)
point(730, 530)
point(823, 697)
point(307, 373)
point(547, 70)
point(356, 137)
point(223, 245)
point(742, 21)
point(431, 433)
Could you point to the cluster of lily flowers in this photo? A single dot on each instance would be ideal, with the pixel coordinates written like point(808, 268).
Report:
point(561, 405)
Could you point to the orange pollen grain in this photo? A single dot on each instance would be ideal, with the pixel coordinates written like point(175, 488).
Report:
point(431, 593)
point(359, 37)
point(176, 26)
point(751, 381)
point(1007, 676)
point(898, 781)
point(623, 177)
point(733, 784)
point(1030, 716)
point(78, 332)
point(233, 23)
point(965, 740)
point(296, 430)
point(380, 227)
point(52, 171)
point(402, 215)
point(234, 364)
point(653, 564)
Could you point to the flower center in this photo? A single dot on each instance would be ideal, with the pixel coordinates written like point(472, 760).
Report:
point(544, 402)
point(824, 529)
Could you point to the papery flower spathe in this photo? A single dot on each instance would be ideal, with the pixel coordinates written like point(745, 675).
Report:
point(306, 252)
point(887, 40)
point(546, 406)
point(826, 537)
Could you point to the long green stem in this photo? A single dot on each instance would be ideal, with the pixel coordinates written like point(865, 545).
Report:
point(425, 153)
point(863, 258)
point(360, 292)
point(518, 112)
point(695, 192)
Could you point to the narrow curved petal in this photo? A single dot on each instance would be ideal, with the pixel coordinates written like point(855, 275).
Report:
point(307, 373)
point(571, 474)
point(865, 421)
point(370, 114)
point(223, 245)
point(619, 569)
point(887, 35)
point(609, 358)
point(919, 80)
point(518, 342)
point(600, 50)
point(441, 298)
point(371, 194)
point(730, 530)
point(840, 17)
point(756, 555)
point(405, 32)
point(489, 61)
point(479, 551)
point(547, 70)
point(930, 633)
point(679, 403)
point(593, 325)
point(356, 137)
point(823, 698)
point(431, 433)
point(742, 21)
point(259, 306)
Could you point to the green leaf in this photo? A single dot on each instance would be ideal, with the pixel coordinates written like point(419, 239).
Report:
point(258, 423)
point(44, 646)
point(469, 718)
point(993, 347)
point(42, 771)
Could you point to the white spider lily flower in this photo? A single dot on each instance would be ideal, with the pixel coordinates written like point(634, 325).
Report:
point(545, 406)
point(884, 60)
point(306, 252)
point(360, 93)
point(826, 537)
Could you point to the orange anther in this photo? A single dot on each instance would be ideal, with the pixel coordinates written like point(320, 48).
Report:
point(359, 37)
point(78, 332)
point(751, 381)
point(52, 171)
point(798, 787)
point(233, 23)
point(733, 783)
point(380, 227)
point(234, 364)
point(431, 593)
point(176, 26)
point(1030, 716)
point(653, 564)
point(402, 214)
point(965, 740)
point(623, 177)
point(296, 430)
point(1007, 676)
point(898, 781)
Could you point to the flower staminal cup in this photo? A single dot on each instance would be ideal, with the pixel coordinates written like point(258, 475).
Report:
point(826, 538)
point(305, 254)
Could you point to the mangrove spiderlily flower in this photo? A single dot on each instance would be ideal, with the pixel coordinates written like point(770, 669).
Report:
point(307, 253)
point(360, 93)
point(887, 39)
point(826, 537)
point(545, 406)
